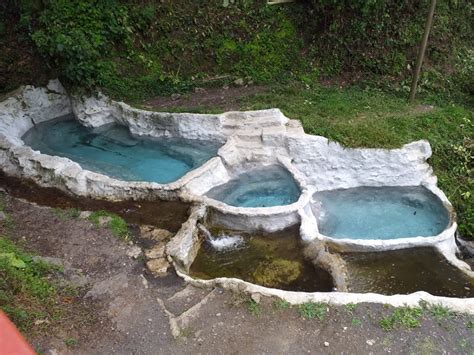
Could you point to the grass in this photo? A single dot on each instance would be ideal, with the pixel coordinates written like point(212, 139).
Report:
point(311, 310)
point(358, 117)
point(26, 294)
point(254, 308)
point(470, 324)
point(406, 317)
point(350, 307)
point(281, 305)
point(116, 224)
point(65, 214)
point(440, 312)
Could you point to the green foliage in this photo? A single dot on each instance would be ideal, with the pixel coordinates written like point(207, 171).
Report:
point(440, 312)
point(311, 310)
point(406, 317)
point(78, 36)
point(68, 213)
point(116, 224)
point(254, 308)
point(281, 304)
point(25, 292)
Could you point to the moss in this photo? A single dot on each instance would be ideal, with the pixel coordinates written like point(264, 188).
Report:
point(277, 272)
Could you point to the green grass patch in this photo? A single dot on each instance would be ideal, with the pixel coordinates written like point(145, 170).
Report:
point(311, 310)
point(440, 312)
point(254, 308)
point(406, 317)
point(26, 294)
point(116, 224)
point(281, 305)
point(470, 324)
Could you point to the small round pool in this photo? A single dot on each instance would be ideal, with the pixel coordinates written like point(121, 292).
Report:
point(380, 213)
point(264, 187)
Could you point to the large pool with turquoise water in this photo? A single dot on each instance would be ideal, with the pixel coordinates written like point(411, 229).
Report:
point(263, 187)
point(380, 213)
point(114, 151)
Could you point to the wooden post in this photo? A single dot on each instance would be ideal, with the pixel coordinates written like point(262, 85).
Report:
point(421, 53)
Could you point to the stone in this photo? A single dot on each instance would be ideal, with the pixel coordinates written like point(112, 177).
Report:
point(326, 344)
point(158, 251)
point(134, 252)
point(104, 220)
point(3, 216)
point(239, 82)
point(256, 297)
point(175, 97)
point(370, 342)
point(158, 267)
point(153, 233)
point(85, 214)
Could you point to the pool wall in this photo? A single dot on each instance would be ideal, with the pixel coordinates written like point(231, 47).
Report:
point(250, 139)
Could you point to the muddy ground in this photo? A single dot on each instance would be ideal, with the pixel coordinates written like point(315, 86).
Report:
point(121, 308)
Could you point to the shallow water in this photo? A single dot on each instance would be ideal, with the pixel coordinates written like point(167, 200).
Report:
point(406, 271)
point(273, 260)
point(115, 152)
point(380, 213)
point(264, 187)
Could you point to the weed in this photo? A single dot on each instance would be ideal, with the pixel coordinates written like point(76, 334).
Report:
point(311, 310)
point(350, 307)
point(26, 294)
point(470, 325)
point(116, 224)
point(281, 304)
point(440, 312)
point(406, 317)
point(71, 342)
point(65, 214)
point(254, 308)
point(355, 322)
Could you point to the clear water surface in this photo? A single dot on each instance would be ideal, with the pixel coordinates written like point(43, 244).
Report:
point(263, 187)
point(115, 152)
point(380, 213)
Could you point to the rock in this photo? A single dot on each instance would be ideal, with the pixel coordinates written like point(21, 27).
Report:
point(326, 344)
point(175, 97)
point(370, 342)
point(256, 297)
point(3, 216)
point(85, 214)
point(104, 220)
point(239, 82)
point(158, 267)
point(158, 251)
point(158, 234)
point(134, 252)
point(277, 272)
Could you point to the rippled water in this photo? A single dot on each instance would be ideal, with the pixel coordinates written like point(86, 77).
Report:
point(380, 213)
point(406, 271)
point(114, 151)
point(263, 187)
point(273, 260)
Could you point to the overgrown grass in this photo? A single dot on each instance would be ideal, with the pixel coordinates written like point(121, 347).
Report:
point(254, 308)
point(116, 224)
point(26, 294)
point(358, 117)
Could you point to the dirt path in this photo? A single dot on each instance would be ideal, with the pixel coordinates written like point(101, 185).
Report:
point(128, 311)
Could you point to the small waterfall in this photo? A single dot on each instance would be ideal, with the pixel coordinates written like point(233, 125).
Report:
point(223, 241)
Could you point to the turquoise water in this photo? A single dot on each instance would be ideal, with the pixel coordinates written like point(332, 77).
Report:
point(380, 213)
point(264, 187)
point(115, 152)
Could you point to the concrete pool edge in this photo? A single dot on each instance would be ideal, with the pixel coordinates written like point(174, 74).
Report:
point(249, 139)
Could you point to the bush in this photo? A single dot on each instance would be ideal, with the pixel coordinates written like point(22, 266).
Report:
point(78, 34)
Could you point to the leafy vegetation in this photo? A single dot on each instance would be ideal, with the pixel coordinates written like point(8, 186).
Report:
point(406, 317)
point(311, 310)
point(254, 308)
point(115, 223)
point(137, 49)
point(26, 294)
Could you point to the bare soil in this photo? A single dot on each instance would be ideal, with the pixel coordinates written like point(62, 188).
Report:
point(123, 309)
point(225, 99)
